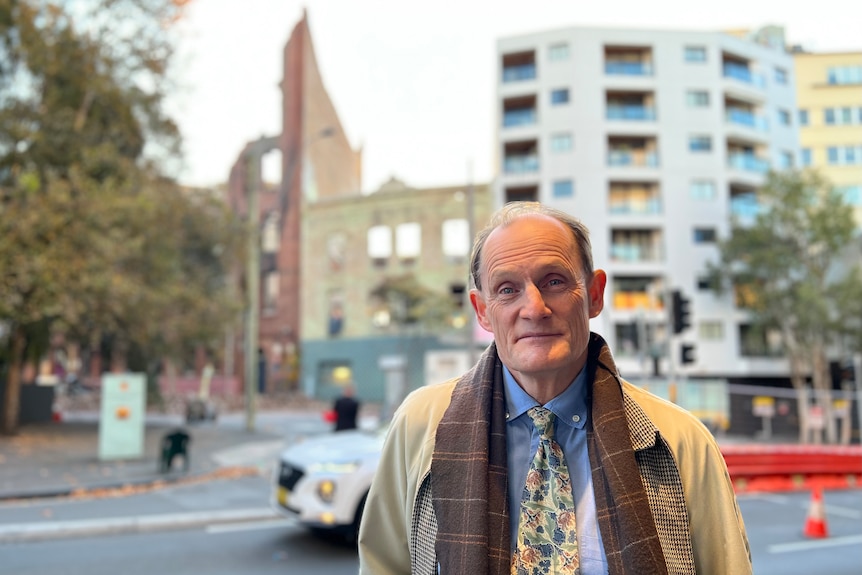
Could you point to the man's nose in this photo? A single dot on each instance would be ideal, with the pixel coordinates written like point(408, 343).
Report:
point(534, 303)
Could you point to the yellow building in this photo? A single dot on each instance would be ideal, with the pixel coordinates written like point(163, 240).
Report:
point(829, 98)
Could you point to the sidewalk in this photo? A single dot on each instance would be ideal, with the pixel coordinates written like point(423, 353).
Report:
point(62, 458)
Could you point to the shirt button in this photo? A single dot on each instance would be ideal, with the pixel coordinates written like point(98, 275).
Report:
point(576, 418)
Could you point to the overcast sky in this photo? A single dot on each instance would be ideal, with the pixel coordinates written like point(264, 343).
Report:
point(413, 82)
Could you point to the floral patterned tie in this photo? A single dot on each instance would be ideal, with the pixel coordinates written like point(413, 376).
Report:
point(547, 542)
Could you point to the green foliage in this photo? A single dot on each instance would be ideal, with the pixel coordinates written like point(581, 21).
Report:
point(411, 303)
point(96, 241)
point(790, 269)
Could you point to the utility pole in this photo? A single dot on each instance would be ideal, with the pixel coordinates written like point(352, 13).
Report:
point(253, 178)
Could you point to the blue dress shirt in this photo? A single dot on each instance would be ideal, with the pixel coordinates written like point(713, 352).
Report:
point(522, 441)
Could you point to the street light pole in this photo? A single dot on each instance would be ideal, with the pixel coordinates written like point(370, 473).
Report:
point(252, 288)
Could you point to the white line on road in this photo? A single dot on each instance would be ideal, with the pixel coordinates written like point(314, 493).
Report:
point(817, 544)
point(234, 527)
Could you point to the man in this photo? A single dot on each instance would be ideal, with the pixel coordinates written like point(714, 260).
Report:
point(345, 409)
point(628, 483)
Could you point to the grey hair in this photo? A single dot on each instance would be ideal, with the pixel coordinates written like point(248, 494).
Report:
point(515, 210)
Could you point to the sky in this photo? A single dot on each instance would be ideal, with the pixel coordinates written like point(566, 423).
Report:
point(414, 82)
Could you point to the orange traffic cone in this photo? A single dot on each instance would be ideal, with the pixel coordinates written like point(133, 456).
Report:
point(815, 525)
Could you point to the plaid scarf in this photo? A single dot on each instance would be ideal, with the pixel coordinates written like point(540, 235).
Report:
point(469, 474)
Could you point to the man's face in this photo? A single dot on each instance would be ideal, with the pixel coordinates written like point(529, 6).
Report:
point(536, 300)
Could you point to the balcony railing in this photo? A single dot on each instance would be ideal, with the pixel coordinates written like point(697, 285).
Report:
point(635, 207)
point(629, 158)
point(633, 253)
point(628, 68)
point(519, 73)
point(748, 163)
point(519, 117)
point(743, 74)
point(748, 119)
point(521, 164)
point(630, 112)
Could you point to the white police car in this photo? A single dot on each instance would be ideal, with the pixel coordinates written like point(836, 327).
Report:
point(323, 481)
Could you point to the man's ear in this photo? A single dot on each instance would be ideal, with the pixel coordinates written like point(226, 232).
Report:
point(597, 292)
point(481, 308)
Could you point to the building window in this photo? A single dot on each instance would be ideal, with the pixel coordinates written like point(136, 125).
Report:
point(697, 98)
point(846, 116)
point(700, 143)
point(335, 321)
point(563, 189)
point(784, 117)
point(780, 76)
point(379, 245)
point(270, 291)
point(559, 96)
point(805, 157)
point(561, 142)
point(702, 190)
point(408, 242)
point(269, 236)
point(704, 235)
point(695, 54)
point(829, 116)
point(852, 194)
point(850, 156)
point(785, 160)
point(803, 117)
point(832, 155)
point(845, 75)
point(456, 239)
point(710, 331)
point(558, 52)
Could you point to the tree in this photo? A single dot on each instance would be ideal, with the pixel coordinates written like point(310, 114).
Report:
point(787, 270)
point(409, 303)
point(96, 240)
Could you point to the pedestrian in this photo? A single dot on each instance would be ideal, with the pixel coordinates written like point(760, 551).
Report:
point(345, 408)
point(542, 459)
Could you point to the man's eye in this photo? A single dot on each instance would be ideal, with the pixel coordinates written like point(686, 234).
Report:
point(506, 291)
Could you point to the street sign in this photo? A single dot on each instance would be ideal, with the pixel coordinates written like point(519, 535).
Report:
point(121, 425)
point(763, 406)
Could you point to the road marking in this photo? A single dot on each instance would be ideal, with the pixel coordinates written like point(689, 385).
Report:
point(818, 544)
point(234, 527)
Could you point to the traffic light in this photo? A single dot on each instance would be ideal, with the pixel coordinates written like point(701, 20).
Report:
point(687, 353)
point(679, 312)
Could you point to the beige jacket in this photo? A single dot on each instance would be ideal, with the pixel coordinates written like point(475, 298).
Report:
point(389, 533)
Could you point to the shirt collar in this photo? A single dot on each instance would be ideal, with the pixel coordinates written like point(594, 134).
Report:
point(570, 407)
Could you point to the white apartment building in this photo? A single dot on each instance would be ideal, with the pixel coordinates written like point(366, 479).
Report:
point(655, 139)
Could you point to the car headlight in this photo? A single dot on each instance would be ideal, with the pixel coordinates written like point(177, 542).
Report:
point(326, 490)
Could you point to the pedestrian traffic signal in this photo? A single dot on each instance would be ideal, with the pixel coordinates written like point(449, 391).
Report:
point(687, 353)
point(679, 312)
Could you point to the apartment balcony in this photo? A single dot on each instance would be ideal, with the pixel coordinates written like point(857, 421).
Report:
point(631, 112)
point(519, 67)
point(519, 73)
point(526, 164)
point(520, 117)
point(632, 158)
point(747, 162)
point(620, 68)
point(639, 207)
point(635, 300)
point(742, 73)
point(748, 119)
point(634, 253)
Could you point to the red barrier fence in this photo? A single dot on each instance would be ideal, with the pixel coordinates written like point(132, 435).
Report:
point(793, 467)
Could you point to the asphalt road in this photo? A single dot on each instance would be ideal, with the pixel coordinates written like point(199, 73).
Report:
point(775, 524)
point(195, 537)
point(252, 549)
